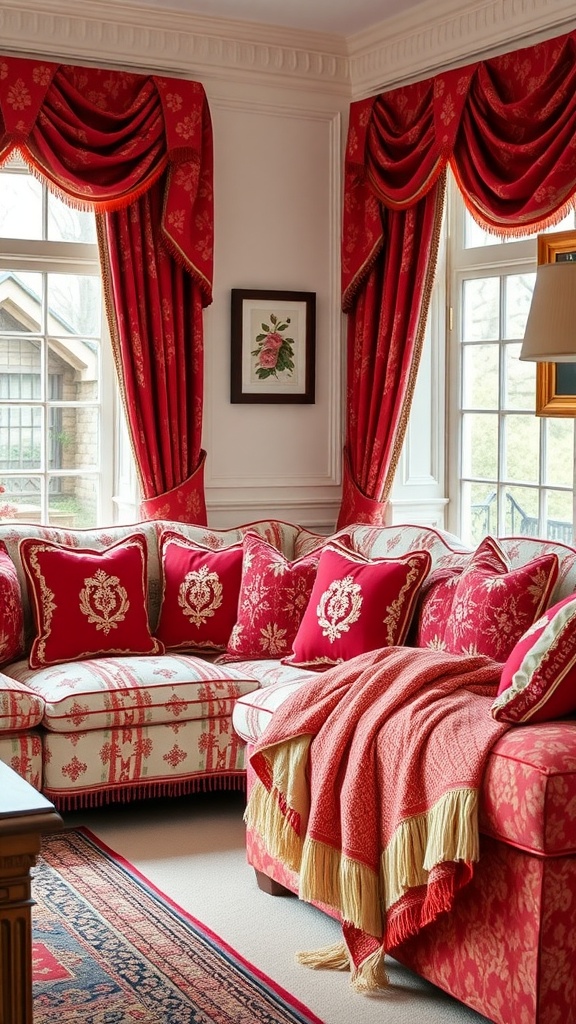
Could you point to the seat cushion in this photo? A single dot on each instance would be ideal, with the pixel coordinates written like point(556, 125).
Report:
point(529, 792)
point(253, 710)
point(104, 693)
point(20, 707)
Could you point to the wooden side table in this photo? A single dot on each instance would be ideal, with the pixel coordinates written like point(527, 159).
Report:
point(24, 815)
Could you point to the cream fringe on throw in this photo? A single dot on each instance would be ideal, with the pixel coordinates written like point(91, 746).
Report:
point(446, 832)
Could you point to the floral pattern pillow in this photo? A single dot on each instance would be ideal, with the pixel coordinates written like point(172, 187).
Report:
point(494, 605)
point(358, 605)
point(11, 617)
point(274, 593)
point(434, 607)
point(538, 682)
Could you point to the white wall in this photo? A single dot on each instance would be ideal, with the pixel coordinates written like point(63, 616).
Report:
point(278, 159)
point(279, 102)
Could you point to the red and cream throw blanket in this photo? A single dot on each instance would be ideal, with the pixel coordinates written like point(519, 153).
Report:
point(368, 788)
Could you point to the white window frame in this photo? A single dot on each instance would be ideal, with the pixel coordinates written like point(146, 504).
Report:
point(520, 257)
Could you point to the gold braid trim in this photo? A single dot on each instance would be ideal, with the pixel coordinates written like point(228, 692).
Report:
point(420, 332)
point(114, 333)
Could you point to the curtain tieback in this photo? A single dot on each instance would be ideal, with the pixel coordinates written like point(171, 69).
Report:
point(356, 506)
point(184, 503)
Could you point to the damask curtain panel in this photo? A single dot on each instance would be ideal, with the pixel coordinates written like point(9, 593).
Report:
point(507, 128)
point(138, 151)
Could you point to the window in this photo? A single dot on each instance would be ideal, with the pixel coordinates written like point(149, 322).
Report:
point(57, 384)
point(511, 472)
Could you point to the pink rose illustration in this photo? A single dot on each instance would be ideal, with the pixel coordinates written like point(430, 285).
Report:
point(274, 351)
point(268, 358)
point(273, 340)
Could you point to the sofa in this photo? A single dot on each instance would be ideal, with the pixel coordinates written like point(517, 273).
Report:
point(507, 949)
point(96, 705)
point(95, 723)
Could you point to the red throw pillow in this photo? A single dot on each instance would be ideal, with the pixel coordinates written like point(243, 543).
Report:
point(86, 603)
point(274, 593)
point(200, 593)
point(434, 606)
point(538, 681)
point(494, 605)
point(11, 617)
point(358, 605)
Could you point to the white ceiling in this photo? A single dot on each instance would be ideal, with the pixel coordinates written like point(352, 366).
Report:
point(341, 17)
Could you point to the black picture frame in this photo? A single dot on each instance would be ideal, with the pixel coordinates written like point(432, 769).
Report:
point(273, 346)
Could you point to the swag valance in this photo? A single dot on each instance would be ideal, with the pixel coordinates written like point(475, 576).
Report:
point(507, 128)
point(137, 150)
point(101, 138)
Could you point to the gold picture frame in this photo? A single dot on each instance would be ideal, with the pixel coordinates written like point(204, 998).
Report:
point(556, 382)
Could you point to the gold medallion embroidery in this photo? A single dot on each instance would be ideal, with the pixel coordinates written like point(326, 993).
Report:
point(104, 601)
point(200, 594)
point(339, 607)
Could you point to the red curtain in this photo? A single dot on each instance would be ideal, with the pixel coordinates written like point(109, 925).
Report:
point(507, 127)
point(138, 151)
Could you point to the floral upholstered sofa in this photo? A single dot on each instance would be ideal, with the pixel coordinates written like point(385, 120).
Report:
point(507, 947)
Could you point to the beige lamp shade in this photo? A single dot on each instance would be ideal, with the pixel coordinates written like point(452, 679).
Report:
point(550, 335)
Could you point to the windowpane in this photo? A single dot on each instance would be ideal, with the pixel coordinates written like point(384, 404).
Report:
point(20, 206)
point(479, 511)
point(66, 224)
point(74, 303)
point(521, 511)
point(525, 462)
point(559, 465)
point(21, 498)
point(73, 501)
point(518, 290)
point(53, 408)
point(519, 379)
point(74, 433)
point(20, 302)
point(20, 437)
point(480, 445)
point(480, 376)
point(521, 448)
point(559, 513)
point(481, 301)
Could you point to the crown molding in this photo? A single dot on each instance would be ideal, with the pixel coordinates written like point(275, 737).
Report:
point(173, 42)
point(435, 34)
point(444, 33)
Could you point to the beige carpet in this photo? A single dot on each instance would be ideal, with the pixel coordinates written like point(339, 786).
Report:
point(193, 850)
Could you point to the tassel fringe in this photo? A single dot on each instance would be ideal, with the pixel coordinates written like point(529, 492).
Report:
point(279, 830)
point(329, 958)
point(371, 975)
point(342, 883)
point(447, 832)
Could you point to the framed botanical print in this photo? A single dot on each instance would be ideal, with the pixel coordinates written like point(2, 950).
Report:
point(556, 382)
point(272, 346)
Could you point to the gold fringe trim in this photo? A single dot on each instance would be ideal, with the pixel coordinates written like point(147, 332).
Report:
point(371, 975)
point(326, 876)
point(447, 832)
point(368, 977)
point(279, 812)
point(329, 958)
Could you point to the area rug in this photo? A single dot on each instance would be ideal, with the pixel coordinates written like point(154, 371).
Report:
point(110, 948)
